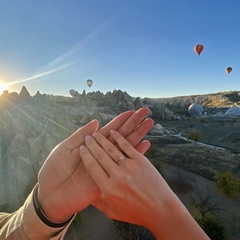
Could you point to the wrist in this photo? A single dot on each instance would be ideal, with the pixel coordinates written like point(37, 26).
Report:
point(174, 221)
point(51, 222)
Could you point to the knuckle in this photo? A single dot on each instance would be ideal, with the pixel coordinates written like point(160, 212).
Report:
point(124, 132)
point(136, 120)
point(110, 151)
point(89, 165)
point(124, 145)
point(140, 131)
point(124, 179)
point(99, 156)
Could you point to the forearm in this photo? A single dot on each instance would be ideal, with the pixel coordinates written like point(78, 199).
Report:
point(24, 224)
point(175, 222)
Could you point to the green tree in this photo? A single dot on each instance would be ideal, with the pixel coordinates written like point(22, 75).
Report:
point(195, 135)
point(228, 184)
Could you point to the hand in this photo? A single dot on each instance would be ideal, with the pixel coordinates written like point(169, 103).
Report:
point(65, 187)
point(133, 191)
point(126, 178)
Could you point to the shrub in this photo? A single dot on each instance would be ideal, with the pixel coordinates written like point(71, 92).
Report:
point(212, 226)
point(132, 232)
point(228, 184)
point(195, 135)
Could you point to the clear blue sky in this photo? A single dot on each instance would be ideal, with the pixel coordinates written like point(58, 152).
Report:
point(142, 47)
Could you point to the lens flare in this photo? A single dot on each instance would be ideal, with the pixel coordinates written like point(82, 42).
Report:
point(2, 86)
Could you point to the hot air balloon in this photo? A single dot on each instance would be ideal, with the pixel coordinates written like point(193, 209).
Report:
point(72, 92)
point(89, 82)
point(198, 49)
point(228, 69)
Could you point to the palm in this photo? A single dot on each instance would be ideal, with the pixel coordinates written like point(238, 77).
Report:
point(63, 179)
point(64, 184)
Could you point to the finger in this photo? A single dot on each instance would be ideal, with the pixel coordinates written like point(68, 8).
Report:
point(138, 134)
point(143, 146)
point(129, 125)
point(95, 170)
point(111, 149)
point(133, 122)
point(77, 138)
point(116, 123)
point(100, 154)
point(124, 145)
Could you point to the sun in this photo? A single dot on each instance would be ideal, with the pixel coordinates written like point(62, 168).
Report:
point(2, 87)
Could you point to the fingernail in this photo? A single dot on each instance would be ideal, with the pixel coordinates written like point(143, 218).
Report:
point(112, 132)
point(82, 147)
point(149, 111)
point(94, 134)
point(87, 138)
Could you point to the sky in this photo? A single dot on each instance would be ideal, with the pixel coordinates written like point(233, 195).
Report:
point(142, 47)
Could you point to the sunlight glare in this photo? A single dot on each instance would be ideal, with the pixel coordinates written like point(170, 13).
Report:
point(2, 87)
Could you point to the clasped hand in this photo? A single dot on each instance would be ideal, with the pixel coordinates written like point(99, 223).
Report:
point(65, 187)
point(122, 180)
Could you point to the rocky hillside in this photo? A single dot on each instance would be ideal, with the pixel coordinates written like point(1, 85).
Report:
point(30, 126)
point(208, 101)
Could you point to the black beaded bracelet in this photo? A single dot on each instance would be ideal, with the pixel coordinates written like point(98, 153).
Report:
point(43, 217)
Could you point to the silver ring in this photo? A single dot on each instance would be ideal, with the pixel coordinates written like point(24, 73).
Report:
point(120, 158)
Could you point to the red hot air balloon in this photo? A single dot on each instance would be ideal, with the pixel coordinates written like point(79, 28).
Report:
point(228, 69)
point(89, 82)
point(198, 49)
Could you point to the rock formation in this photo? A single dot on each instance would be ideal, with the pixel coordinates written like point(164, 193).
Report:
point(30, 127)
point(24, 94)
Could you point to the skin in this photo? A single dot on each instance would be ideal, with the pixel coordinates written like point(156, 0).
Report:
point(65, 187)
point(133, 190)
